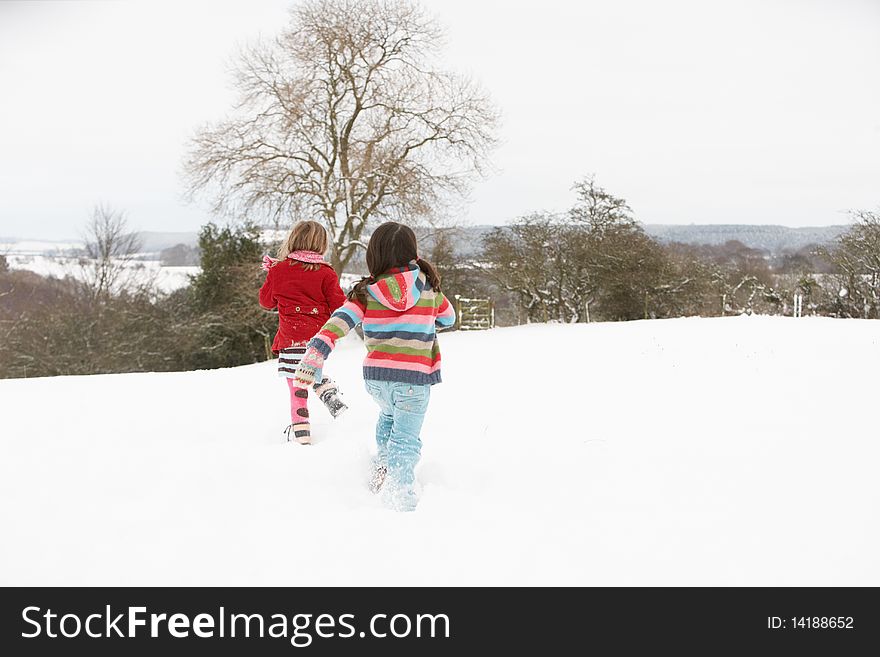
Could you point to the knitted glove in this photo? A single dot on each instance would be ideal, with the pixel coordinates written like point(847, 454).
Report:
point(268, 261)
point(309, 370)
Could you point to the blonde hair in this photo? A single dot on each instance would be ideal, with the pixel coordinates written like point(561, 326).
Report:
point(305, 236)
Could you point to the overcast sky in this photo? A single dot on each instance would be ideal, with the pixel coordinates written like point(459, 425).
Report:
point(695, 111)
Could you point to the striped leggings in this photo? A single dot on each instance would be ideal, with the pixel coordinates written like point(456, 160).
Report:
point(288, 360)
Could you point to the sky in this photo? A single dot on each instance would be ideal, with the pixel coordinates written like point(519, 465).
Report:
point(695, 111)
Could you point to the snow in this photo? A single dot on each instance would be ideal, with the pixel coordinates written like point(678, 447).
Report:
point(169, 279)
point(164, 279)
point(44, 265)
point(728, 451)
point(273, 236)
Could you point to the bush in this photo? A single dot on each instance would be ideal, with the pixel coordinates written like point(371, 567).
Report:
point(227, 327)
point(53, 327)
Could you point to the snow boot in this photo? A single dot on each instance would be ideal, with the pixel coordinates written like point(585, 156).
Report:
point(378, 478)
point(302, 433)
point(328, 393)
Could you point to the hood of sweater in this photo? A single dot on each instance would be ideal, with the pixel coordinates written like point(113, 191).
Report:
point(399, 289)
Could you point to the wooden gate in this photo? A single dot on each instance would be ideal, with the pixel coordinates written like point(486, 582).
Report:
point(474, 314)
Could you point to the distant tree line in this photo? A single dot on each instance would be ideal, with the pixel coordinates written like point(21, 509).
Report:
point(596, 263)
point(180, 255)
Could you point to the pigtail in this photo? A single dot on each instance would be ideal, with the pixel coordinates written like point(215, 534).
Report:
point(430, 273)
point(359, 291)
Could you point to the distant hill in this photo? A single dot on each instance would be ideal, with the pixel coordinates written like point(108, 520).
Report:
point(775, 239)
point(157, 241)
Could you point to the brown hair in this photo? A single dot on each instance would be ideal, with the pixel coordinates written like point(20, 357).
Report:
point(392, 245)
point(305, 236)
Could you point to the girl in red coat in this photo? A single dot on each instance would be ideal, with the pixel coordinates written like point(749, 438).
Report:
point(306, 291)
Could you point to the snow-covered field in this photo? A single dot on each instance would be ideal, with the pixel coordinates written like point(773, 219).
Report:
point(164, 279)
point(735, 451)
point(59, 260)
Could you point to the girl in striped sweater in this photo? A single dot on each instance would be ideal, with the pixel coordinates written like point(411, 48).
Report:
point(400, 307)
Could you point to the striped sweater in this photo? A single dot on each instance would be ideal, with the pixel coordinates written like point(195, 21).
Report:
point(400, 321)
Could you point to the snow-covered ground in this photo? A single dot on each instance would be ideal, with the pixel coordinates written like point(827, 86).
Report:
point(164, 279)
point(735, 451)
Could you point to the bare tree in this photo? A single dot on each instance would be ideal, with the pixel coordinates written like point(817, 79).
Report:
point(594, 261)
point(527, 260)
point(345, 117)
point(856, 257)
point(110, 248)
point(599, 208)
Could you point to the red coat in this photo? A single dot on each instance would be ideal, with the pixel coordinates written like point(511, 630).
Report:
point(305, 300)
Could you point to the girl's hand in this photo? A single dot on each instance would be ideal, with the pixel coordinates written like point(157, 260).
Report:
point(268, 261)
point(309, 370)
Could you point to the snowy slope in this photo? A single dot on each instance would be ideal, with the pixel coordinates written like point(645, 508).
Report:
point(682, 452)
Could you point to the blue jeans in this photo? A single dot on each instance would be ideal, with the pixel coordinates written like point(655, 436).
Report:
point(402, 409)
